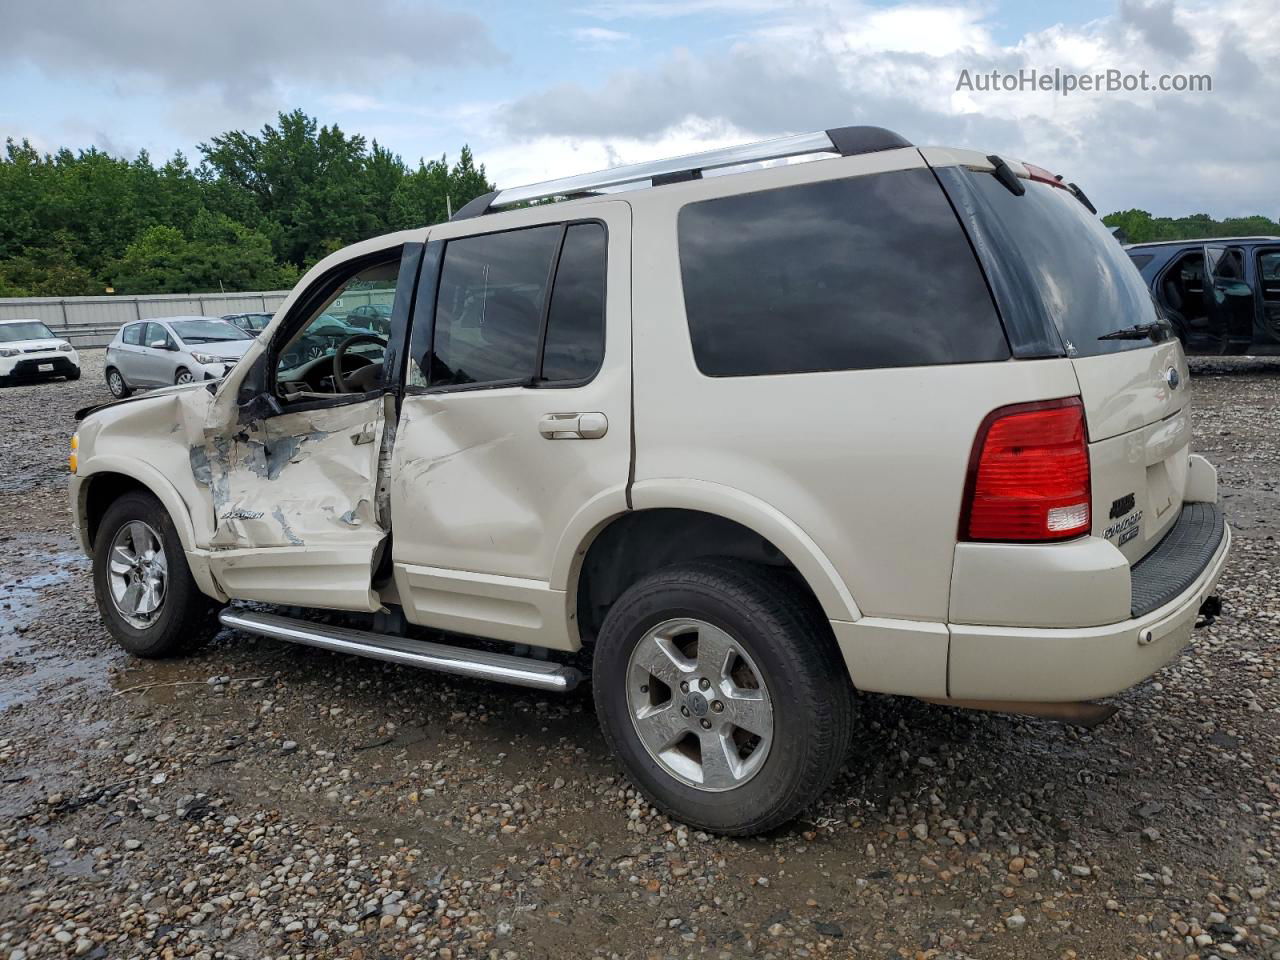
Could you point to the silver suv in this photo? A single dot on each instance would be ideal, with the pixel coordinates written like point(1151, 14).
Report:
point(898, 419)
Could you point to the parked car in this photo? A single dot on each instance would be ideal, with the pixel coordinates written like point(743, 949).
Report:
point(251, 323)
point(172, 350)
point(30, 349)
point(321, 340)
point(1237, 311)
point(902, 420)
point(371, 316)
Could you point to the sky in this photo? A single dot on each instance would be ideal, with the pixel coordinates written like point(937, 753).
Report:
point(541, 90)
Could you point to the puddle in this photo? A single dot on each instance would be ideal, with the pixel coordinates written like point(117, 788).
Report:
point(30, 666)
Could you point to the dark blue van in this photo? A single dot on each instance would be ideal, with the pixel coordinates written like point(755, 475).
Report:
point(1222, 295)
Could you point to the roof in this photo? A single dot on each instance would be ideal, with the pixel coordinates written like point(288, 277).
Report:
point(23, 320)
point(1174, 243)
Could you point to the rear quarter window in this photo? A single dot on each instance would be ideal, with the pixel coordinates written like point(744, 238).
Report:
point(850, 274)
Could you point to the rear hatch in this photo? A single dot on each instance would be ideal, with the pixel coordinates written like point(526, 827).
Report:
point(1134, 385)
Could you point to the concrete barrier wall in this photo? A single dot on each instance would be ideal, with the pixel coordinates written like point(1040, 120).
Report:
point(93, 321)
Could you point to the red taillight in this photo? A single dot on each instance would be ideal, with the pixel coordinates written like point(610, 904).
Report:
point(1029, 474)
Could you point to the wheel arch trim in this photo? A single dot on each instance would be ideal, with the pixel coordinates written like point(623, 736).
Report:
point(155, 483)
point(730, 503)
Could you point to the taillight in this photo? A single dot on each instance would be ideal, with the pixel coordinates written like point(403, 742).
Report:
point(1029, 474)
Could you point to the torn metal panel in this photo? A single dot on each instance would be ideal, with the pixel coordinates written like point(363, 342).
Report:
point(297, 479)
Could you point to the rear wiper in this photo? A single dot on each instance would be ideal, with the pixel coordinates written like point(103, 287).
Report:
point(1139, 331)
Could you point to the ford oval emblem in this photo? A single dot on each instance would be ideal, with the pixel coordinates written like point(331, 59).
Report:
point(1172, 378)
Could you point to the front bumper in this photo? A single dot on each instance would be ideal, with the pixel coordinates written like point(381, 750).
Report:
point(216, 371)
point(53, 364)
point(1050, 664)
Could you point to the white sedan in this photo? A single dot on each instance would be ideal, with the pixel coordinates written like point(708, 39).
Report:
point(29, 349)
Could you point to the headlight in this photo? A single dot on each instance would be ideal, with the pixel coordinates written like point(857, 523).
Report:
point(206, 358)
point(64, 348)
point(8, 352)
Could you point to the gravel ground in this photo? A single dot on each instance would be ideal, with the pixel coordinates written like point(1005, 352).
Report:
point(263, 800)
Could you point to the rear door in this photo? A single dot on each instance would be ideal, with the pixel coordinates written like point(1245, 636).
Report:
point(515, 428)
point(1269, 288)
point(1135, 388)
point(1228, 297)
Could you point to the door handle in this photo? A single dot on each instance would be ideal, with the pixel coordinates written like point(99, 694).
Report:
point(573, 426)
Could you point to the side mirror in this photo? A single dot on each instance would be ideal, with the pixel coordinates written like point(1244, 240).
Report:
point(159, 344)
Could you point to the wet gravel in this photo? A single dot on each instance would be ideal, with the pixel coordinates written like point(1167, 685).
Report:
point(260, 800)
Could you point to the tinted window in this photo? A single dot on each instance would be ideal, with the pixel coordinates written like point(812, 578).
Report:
point(870, 271)
point(575, 323)
point(1081, 277)
point(133, 334)
point(489, 309)
point(1140, 260)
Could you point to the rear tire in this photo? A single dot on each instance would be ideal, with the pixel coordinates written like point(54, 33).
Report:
point(136, 543)
point(783, 671)
point(115, 383)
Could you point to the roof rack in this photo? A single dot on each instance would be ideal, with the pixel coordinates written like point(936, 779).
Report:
point(846, 141)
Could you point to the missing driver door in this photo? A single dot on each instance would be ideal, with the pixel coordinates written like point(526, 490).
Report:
point(295, 483)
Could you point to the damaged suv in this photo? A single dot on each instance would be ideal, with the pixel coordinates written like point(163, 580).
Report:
point(897, 419)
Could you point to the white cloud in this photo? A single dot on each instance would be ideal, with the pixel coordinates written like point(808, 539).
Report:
point(240, 50)
point(809, 67)
point(599, 36)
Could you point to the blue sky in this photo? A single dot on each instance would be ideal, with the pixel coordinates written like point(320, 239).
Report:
point(541, 89)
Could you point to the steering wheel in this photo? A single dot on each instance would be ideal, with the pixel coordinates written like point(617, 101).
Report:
point(339, 379)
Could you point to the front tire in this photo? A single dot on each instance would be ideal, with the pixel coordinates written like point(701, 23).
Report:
point(74, 375)
point(145, 592)
point(719, 686)
point(183, 376)
point(115, 383)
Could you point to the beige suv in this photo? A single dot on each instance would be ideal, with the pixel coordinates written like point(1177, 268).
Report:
point(896, 419)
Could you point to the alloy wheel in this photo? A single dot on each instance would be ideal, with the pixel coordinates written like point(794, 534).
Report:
point(138, 573)
point(699, 704)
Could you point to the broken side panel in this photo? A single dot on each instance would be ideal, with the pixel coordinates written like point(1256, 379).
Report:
point(295, 506)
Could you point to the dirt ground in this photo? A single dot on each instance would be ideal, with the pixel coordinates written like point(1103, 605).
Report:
point(264, 800)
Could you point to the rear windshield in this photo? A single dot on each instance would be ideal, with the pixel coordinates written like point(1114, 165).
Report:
point(207, 331)
point(1084, 279)
point(29, 330)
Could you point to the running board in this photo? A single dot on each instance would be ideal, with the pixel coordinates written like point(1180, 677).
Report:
point(459, 661)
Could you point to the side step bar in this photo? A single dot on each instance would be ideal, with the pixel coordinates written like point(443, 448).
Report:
point(480, 664)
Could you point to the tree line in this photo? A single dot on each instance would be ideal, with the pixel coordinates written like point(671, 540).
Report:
point(258, 209)
point(1138, 226)
point(252, 214)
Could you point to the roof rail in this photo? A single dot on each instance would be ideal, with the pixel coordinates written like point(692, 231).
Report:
point(846, 141)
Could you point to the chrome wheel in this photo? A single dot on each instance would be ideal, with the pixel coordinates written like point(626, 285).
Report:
point(137, 573)
point(115, 383)
point(184, 376)
point(699, 704)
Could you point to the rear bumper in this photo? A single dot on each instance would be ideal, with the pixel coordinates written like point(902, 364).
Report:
point(1049, 664)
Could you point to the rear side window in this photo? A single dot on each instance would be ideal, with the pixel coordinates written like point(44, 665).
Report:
point(502, 296)
point(1140, 260)
point(133, 334)
point(851, 274)
point(490, 306)
point(575, 323)
point(1078, 273)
